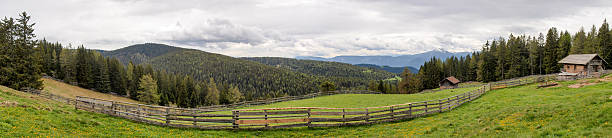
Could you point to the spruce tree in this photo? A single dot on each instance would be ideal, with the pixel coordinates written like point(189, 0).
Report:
point(579, 42)
point(605, 42)
point(212, 95)
point(147, 90)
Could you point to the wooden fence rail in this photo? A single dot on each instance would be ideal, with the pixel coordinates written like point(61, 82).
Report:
point(223, 117)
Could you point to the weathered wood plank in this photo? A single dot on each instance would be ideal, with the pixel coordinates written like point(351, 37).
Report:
point(201, 115)
point(242, 113)
point(289, 116)
point(271, 121)
point(326, 113)
point(201, 119)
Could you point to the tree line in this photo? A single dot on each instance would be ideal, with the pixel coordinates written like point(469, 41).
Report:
point(511, 57)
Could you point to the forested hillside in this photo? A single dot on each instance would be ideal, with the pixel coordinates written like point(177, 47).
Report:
point(254, 79)
point(140, 53)
point(324, 68)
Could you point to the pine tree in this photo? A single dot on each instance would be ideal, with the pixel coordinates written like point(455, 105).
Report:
point(565, 44)
point(327, 86)
point(147, 90)
point(605, 42)
point(103, 83)
point(20, 67)
point(410, 83)
point(234, 95)
point(550, 51)
point(213, 93)
point(579, 42)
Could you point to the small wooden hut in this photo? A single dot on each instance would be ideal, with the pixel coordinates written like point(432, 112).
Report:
point(581, 66)
point(449, 83)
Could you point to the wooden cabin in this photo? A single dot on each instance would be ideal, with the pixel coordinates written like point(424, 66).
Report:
point(449, 83)
point(581, 66)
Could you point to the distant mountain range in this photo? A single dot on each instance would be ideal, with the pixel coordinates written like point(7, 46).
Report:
point(415, 60)
point(389, 69)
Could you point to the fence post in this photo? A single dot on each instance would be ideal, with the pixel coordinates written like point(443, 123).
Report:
point(343, 116)
point(76, 103)
point(410, 110)
point(440, 105)
point(138, 113)
point(167, 116)
point(368, 114)
point(195, 123)
point(235, 117)
point(457, 103)
point(266, 118)
point(309, 122)
point(113, 108)
point(426, 108)
point(392, 112)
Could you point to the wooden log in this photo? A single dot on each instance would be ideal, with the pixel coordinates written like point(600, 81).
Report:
point(290, 125)
point(325, 125)
point(326, 113)
point(201, 119)
point(271, 121)
point(289, 116)
point(273, 113)
point(202, 115)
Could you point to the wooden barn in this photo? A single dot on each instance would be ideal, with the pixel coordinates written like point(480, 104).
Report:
point(449, 83)
point(581, 66)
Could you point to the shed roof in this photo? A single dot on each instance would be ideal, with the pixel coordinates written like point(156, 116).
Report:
point(452, 80)
point(580, 59)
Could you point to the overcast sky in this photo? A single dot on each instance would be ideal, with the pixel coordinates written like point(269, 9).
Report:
point(289, 28)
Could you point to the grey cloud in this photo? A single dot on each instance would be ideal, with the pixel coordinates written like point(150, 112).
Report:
point(303, 27)
point(219, 31)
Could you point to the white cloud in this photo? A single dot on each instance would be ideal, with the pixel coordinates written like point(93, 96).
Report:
point(302, 27)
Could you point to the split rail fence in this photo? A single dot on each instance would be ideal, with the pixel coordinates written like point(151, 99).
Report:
point(270, 118)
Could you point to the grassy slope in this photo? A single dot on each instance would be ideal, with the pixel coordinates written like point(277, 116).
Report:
point(66, 90)
point(515, 112)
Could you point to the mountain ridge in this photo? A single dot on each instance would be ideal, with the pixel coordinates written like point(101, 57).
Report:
point(413, 60)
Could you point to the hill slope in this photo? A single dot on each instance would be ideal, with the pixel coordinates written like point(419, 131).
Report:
point(513, 112)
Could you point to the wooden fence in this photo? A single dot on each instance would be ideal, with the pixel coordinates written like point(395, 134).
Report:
point(270, 118)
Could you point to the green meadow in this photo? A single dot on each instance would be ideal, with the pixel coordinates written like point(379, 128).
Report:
point(523, 111)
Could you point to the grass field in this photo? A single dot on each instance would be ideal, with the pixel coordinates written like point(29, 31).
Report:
point(365, 100)
point(66, 90)
point(513, 112)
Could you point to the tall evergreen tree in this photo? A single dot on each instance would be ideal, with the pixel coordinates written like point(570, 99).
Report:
point(147, 90)
point(213, 93)
point(550, 51)
point(579, 42)
point(605, 42)
point(20, 68)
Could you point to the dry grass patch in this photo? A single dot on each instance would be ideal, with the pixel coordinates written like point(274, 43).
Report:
point(67, 90)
